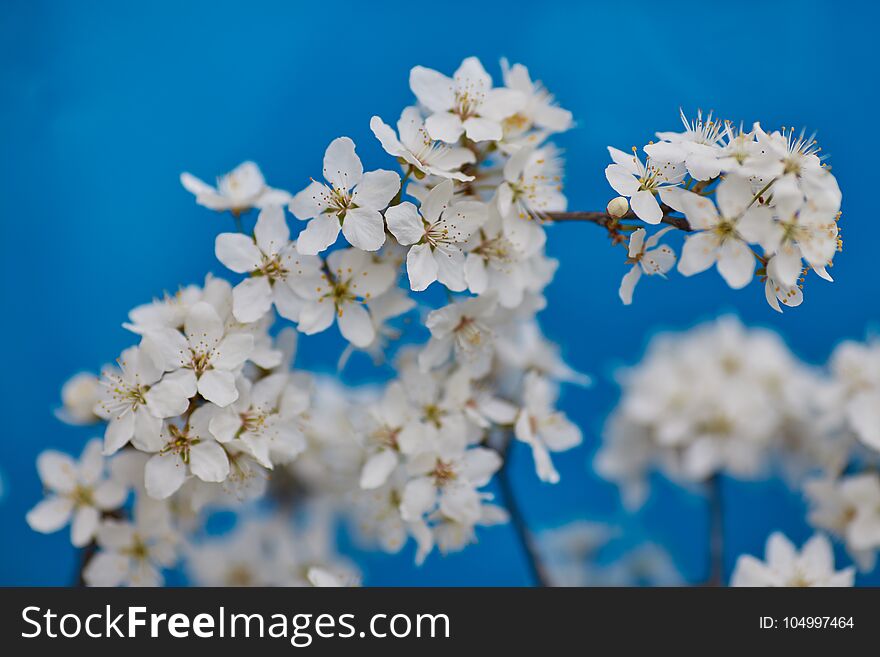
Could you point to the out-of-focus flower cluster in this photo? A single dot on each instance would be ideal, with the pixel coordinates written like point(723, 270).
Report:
point(741, 192)
point(722, 399)
point(205, 410)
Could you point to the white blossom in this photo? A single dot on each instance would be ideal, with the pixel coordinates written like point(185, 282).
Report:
point(785, 566)
point(134, 554)
point(79, 396)
point(271, 260)
point(77, 493)
point(353, 202)
point(436, 232)
point(238, 191)
point(642, 183)
point(849, 508)
point(182, 449)
point(416, 148)
point(539, 115)
point(543, 428)
point(646, 257)
point(205, 357)
point(723, 233)
point(343, 292)
point(464, 329)
point(464, 104)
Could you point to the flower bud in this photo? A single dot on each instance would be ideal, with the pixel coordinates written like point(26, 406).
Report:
point(617, 207)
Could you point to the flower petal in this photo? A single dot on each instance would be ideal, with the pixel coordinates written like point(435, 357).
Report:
point(50, 515)
point(377, 469)
point(208, 461)
point(320, 233)
point(421, 267)
point(364, 229)
point(356, 325)
point(405, 223)
point(57, 471)
point(251, 299)
point(164, 474)
point(271, 231)
point(237, 252)
point(218, 387)
point(433, 89)
point(342, 166)
point(376, 189)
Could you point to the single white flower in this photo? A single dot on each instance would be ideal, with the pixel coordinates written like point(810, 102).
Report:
point(416, 148)
point(75, 490)
point(494, 263)
point(451, 535)
point(170, 311)
point(645, 256)
point(238, 191)
point(378, 518)
point(723, 233)
point(464, 328)
point(481, 407)
point(264, 419)
point(351, 279)
point(181, 449)
point(205, 356)
point(465, 104)
point(698, 147)
point(786, 567)
point(849, 507)
point(272, 260)
point(788, 159)
point(776, 293)
point(389, 429)
point(133, 400)
point(79, 396)
point(436, 231)
point(801, 230)
point(643, 183)
point(539, 111)
point(448, 482)
point(134, 554)
point(532, 188)
point(542, 427)
point(353, 202)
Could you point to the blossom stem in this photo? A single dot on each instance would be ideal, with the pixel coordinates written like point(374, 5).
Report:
point(611, 223)
point(85, 556)
point(517, 520)
point(399, 195)
point(716, 533)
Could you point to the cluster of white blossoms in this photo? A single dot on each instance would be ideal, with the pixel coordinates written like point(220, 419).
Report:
point(718, 398)
point(739, 191)
point(721, 399)
point(205, 411)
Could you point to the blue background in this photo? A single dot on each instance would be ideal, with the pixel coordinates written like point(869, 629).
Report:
point(104, 104)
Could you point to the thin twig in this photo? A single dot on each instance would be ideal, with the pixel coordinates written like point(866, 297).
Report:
point(607, 221)
point(716, 533)
point(517, 520)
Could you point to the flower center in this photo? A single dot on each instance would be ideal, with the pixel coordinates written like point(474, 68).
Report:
point(180, 443)
point(443, 473)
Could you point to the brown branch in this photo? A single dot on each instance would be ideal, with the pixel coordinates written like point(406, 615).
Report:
point(527, 542)
point(612, 224)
